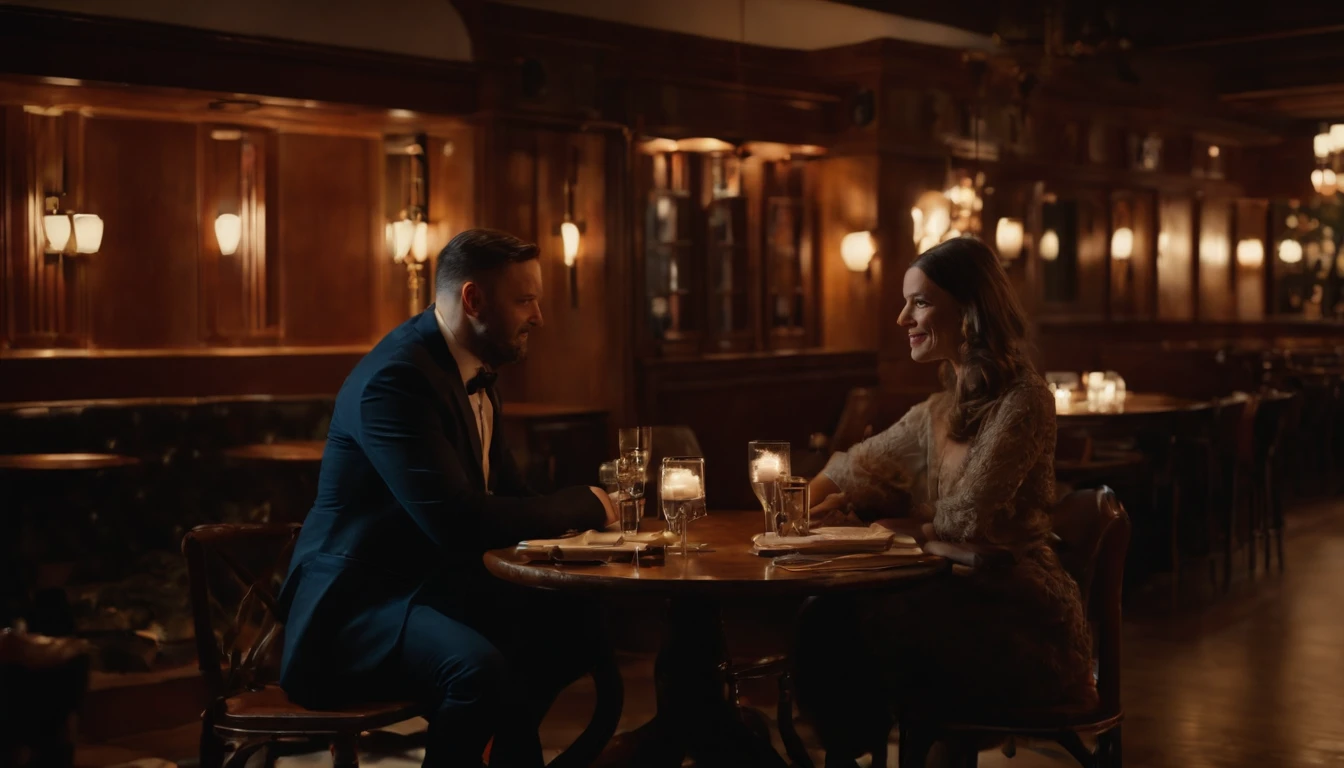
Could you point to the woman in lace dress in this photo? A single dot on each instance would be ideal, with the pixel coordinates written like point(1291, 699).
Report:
point(977, 462)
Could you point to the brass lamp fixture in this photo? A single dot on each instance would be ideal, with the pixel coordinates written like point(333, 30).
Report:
point(69, 233)
point(408, 235)
point(571, 231)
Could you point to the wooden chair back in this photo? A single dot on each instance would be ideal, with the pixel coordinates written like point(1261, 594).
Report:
point(1093, 530)
point(235, 573)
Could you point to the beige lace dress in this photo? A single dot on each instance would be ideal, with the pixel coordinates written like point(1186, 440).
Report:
point(1010, 636)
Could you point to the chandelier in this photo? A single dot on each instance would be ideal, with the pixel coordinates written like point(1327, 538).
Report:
point(1329, 149)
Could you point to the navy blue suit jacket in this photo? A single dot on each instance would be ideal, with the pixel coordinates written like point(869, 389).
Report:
point(402, 511)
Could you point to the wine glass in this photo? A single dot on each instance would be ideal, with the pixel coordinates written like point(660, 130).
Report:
point(767, 462)
point(682, 490)
point(633, 469)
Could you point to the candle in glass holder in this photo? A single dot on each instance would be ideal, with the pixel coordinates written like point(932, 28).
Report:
point(681, 485)
point(766, 468)
point(1063, 400)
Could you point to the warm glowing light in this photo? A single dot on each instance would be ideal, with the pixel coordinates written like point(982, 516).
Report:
point(1122, 244)
point(57, 228)
point(569, 236)
point(1008, 238)
point(88, 233)
point(659, 146)
point(1322, 145)
point(1049, 245)
point(857, 250)
point(1214, 151)
point(403, 232)
point(703, 144)
point(937, 221)
point(420, 241)
point(228, 232)
point(1290, 252)
point(1250, 252)
point(1337, 137)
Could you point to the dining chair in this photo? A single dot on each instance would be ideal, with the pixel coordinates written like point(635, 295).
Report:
point(1093, 538)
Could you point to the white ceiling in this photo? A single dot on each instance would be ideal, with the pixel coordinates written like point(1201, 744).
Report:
point(427, 28)
point(798, 24)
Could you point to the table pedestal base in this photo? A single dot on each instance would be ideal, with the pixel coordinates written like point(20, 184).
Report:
point(695, 716)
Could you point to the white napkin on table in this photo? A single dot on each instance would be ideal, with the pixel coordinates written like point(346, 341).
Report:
point(875, 538)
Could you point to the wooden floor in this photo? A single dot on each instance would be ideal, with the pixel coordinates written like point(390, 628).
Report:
point(1253, 678)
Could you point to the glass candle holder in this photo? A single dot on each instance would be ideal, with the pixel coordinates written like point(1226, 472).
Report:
point(767, 463)
point(682, 491)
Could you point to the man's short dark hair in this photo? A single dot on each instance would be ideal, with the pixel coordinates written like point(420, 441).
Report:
point(476, 254)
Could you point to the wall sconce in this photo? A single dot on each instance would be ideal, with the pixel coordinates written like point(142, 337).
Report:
point(1290, 252)
point(408, 236)
point(1008, 234)
point(571, 231)
point(857, 250)
point(1122, 244)
point(228, 232)
point(71, 233)
point(1250, 252)
point(1049, 247)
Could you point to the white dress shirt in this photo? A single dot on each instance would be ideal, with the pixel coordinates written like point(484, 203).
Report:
point(484, 410)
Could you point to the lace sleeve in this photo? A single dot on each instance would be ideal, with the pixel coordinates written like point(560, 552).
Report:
point(1009, 444)
point(882, 470)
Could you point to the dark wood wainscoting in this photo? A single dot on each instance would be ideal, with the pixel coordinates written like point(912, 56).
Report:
point(730, 400)
point(38, 376)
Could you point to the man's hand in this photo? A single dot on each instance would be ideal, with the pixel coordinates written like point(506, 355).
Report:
point(607, 504)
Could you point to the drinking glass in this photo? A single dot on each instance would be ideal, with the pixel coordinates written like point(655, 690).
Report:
point(682, 491)
point(767, 462)
point(795, 507)
point(633, 472)
point(608, 476)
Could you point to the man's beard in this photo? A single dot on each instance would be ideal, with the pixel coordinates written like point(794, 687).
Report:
point(504, 351)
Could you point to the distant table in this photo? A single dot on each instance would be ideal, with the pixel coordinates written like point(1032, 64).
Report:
point(307, 451)
point(693, 714)
point(1135, 404)
point(64, 462)
point(289, 471)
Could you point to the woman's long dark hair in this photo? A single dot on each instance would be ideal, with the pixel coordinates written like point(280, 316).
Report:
point(993, 326)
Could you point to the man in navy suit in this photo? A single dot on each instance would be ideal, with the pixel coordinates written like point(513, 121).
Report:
point(386, 596)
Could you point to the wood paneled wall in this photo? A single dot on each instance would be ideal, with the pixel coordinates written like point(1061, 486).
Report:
point(331, 236)
point(1174, 258)
point(847, 201)
point(1216, 298)
point(574, 358)
point(141, 177)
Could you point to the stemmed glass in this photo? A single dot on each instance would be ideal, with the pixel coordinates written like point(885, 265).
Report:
point(767, 463)
point(633, 473)
point(682, 490)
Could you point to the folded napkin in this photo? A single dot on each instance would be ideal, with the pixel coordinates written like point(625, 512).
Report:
point(838, 540)
point(589, 545)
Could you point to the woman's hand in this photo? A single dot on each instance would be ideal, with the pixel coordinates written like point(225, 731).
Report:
point(834, 510)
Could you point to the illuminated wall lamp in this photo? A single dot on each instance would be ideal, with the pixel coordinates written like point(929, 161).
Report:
point(1008, 234)
point(228, 233)
point(1122, 244)
point(571, 231)
point(857, 250)
point(1049, 246)
point(71, 233)
point(1250, 252)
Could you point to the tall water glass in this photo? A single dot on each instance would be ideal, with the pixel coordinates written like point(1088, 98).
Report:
point(767, 462)
point(796, 507)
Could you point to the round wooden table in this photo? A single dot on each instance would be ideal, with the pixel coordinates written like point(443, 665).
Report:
point(1135, 404)
point(305, 451)
point(64, 462)
point(694, 716)
point(288, 470)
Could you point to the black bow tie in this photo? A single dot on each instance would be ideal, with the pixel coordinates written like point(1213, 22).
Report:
point(482, 380)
